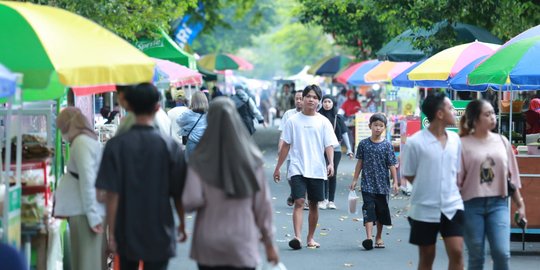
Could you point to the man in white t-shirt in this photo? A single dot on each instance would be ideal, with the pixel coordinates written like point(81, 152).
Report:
point(298, 101)
point(307, 136)
point(431, 162)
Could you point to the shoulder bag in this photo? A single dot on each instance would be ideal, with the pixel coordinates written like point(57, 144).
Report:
point(186, 138)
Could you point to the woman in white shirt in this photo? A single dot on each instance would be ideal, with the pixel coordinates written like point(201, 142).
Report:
point(76, 195)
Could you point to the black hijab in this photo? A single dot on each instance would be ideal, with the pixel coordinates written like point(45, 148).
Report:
point(333, 117)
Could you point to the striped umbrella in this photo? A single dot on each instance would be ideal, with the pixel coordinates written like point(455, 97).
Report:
point(329, 65)
point(386, 71)
point(224, 61)
point(357, 78)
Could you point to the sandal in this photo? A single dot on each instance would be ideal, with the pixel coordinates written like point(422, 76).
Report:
point(313, 245)
point(379, 245)
point(295, 244)
point(368, 244)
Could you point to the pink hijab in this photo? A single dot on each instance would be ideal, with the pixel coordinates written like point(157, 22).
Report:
point(72, 123)
point(534, 105)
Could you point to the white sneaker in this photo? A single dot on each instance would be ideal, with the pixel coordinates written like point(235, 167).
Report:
point(306, 205)
point(331, 205)
point(323, 205)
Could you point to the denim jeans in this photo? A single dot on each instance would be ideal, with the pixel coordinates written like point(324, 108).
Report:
point(487, 217)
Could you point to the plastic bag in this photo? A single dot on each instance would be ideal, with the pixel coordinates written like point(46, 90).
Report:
point(353, 201)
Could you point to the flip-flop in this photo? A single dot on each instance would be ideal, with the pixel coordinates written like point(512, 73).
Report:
point(295, 244)
point(314, 245)
point(379, 245)
point(368, 244)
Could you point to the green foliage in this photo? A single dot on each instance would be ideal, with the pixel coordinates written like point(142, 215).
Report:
point(127, 18)
point(371, 21)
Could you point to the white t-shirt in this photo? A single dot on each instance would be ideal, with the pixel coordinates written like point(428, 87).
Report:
point(435, 188)
point(173, 114)
point(308, 137)
point(286, 117)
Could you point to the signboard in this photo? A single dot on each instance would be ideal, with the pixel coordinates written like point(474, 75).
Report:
point(459, 106)
point(362, 130)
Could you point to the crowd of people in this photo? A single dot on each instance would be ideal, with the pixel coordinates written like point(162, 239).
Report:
point(127, 195)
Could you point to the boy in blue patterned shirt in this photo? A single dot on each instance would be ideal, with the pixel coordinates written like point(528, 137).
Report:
point(375, 157)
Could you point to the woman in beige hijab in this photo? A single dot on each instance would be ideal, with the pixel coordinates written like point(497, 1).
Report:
point(75, 197)
point(226, 186)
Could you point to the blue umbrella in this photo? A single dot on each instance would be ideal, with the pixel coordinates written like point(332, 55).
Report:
point(8, 82)
point(402, 80)
point(357, 78)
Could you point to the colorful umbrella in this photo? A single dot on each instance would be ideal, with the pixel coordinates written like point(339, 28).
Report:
point(357, 78)
point(516, 63)
point(176, 74)
point(437, 70)
point(8, 82)
point(329, 65)
point(343, 75)
point(386, 71)
point(42, 41)
point(165, 48)
point(401, 49)
point(223, 61)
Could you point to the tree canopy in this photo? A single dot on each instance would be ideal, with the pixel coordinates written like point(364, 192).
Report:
point(366, 25)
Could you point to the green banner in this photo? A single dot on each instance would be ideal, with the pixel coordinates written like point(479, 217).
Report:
point(459, 106)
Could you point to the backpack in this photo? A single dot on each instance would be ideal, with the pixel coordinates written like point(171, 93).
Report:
point(247, 116)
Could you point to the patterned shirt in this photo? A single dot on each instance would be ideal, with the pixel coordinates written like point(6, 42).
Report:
point(376, 161)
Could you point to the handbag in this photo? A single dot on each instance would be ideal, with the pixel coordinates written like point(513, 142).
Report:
point(186, 137)
point(510, 188)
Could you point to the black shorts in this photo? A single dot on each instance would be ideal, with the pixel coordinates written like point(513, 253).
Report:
point(425, 233)
point(313, 186)
point(375, 208)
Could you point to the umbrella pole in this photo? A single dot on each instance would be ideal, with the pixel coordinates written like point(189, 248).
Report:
point(500, 107)
point(511, 113)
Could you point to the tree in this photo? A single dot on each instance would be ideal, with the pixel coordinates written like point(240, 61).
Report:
point(372, 20)
point(127, 18)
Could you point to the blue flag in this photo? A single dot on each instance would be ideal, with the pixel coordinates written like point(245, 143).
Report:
point(186, 31)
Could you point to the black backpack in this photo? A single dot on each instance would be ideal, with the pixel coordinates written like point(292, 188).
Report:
point(247, 116)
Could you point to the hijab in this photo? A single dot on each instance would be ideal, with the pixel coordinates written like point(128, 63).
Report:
point(73, 123)
point(333, 117)
point(351, 105)
point(226, 156)
point(534, 105)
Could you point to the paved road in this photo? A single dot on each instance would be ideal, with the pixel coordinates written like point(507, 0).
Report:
point(341, 234)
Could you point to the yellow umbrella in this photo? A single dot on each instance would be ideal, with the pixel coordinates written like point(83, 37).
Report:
point(39, 41)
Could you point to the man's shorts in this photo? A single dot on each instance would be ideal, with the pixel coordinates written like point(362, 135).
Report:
point(375, 208)
point(425, 233)
point(313, 186)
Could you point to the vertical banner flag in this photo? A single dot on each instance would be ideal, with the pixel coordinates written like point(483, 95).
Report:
point(185, 31)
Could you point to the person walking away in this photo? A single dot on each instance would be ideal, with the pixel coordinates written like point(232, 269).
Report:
point(141, 170)
point(375, 158)
point(75, 197)
point(532, 117)
point(487, 162)
point(307, 136)
point(329, 110)
point(247, 109)
point(181, 106)
point(298, 101)
point(234, 195)
point(192, 123)
point(431, 162)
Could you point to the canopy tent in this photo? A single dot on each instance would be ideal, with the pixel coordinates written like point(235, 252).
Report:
point(165, 48)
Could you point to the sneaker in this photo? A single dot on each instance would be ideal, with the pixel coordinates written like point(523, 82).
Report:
point(331, 205)
point(306, 206)
point(323, 205)
point(290, 201)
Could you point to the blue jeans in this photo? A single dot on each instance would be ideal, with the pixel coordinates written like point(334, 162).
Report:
point(489, 217)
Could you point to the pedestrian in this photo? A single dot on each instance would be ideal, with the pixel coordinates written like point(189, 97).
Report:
point(192, 123)
point(232, 195)
point(532, 117)
point(351, 106)
point(247, 109)
point(12, 258)
point(75, 197)
point(181, 106)
point(375, 159)
point(329, 110)
point(487, 161)
point(298, 101)
point(307, 136)
point(141, 170)
point(430, 162)
point(341, 97)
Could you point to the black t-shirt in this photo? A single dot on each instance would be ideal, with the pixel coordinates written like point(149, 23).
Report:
point(146, 170)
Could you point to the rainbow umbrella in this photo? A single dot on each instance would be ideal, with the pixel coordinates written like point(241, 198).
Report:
point(357, 78)
point(402, 80)
point(329, 65)
point(345, 73)
point(516, 63)
point(176, 74)
point(43, 40)
point(223, 61)
point(437, 70)
point(386, 71)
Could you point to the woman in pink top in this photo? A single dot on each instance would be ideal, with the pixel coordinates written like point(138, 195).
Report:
point(226, 186)
point(487, 162)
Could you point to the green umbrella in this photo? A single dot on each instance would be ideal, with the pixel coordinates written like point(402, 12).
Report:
point(165, 48)
point(401, 49)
